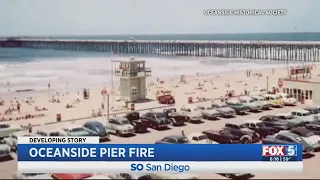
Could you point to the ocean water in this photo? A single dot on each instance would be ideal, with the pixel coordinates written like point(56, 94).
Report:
point(24, 68)
point(34, 69)
point(293, 36)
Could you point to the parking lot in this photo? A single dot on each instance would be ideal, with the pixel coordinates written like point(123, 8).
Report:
point(7, 168)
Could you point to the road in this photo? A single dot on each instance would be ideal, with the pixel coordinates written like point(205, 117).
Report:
point(311, 170)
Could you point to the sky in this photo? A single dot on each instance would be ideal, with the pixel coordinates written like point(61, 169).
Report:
point(109, 17)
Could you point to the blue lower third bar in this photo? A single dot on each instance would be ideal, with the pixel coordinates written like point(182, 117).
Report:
point(279, 158)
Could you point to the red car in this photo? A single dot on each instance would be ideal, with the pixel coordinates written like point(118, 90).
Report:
point(71, 176)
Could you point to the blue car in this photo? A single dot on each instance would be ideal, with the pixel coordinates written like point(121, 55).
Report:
point(98, 128)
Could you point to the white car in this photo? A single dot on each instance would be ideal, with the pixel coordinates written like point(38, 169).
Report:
point(251, 103)
point(192, 113)
point(50, 132)
point(119, 126)
point(305, 115)
point(208, 112)
point(258, 91)
point(199, 138)
point(287, 99)
point(12, 140)
point(264, 102)
point(7, 129)
point(5, 149)
point(18, 175)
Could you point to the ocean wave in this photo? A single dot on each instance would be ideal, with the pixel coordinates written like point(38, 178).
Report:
point(92, 69)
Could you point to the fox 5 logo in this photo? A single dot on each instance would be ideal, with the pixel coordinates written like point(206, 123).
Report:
point(279, 150)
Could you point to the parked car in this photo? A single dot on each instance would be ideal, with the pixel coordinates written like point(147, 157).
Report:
point(176, 119)
point(157, 120)
point(258, 91)
point(200, 138)
point(287, 99)
point(18, 175)
point(314, 127)
point(99, 128)
point(259, 127)
point(274, 99)
point(208, 112)
point(246, 135)
point(119, 126)
point(266, 105)
point(63, 176)
point(292, 119)
point(238, 106)
point(286, 137)
point(7, 129)
point(251, 103)
point(5, 149)
point(140, 126)
point(12, 140)
point(304, 115)
point(223, 109)
point(312, 110)
point(276, 122)
point(192, 113)
point(78, 130)
point(50, 132)
point(223, 136)
point(308, 136)
point(174, 139)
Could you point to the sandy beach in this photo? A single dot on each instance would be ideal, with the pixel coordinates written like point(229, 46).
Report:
point(208, 86)
point(45, 106)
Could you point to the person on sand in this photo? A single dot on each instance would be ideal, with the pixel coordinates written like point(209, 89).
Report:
point(102, 106)
point(18, 106)
point(93, 114)
point(99, 112)
point(182, 133)
point(30, 128)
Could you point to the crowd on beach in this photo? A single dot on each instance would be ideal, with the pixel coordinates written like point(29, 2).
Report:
point(13, 111)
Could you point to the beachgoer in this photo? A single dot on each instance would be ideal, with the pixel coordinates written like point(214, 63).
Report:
point(18, 107)
point(30, 128)
point(93, 114)
point(182, 133)
point(99, 112)
point(102, 106)
point(49, 85)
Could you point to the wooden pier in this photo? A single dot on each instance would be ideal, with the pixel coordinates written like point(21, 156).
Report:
point(273, 50)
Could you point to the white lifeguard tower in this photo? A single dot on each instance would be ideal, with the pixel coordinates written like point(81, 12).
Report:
point(133, 74)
